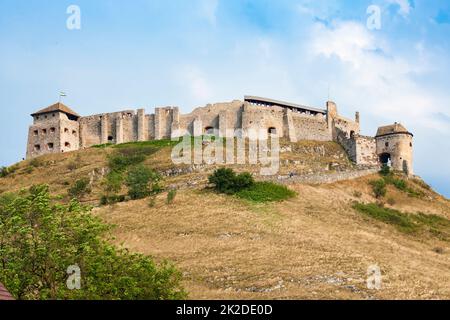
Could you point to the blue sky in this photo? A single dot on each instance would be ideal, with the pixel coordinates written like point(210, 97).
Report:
point(147, 53)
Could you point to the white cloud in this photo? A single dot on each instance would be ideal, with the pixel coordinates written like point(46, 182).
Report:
point(405, 6)
point(382, 82)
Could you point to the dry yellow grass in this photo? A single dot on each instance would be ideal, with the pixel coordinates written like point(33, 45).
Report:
point(314, 246)
point(311, 247)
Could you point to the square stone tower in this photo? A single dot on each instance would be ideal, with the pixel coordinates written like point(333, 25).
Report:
point(55, 129)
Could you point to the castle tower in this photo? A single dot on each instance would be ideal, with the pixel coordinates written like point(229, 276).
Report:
point(395, 146)
point(55, 129)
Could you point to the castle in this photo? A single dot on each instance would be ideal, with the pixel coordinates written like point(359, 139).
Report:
point(59, 129)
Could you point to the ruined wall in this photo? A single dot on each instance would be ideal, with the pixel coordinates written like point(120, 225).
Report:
point(366, 151)
point(309, 127)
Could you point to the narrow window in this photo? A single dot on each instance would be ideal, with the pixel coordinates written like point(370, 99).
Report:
point(387, 144)
point(110, 138)
point(67, 145)
point(36, 132)
point(37, 147)
point(66, 130)
point(74, 132)
point(52, 130)
point(44, 131)
point(50, 146)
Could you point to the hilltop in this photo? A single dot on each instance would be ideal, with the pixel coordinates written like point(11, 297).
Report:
point(317, 245)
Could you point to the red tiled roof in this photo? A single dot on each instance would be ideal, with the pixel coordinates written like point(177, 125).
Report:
point(57, 107)
point(4, 294)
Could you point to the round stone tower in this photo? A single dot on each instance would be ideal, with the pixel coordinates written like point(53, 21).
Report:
point(395, 147)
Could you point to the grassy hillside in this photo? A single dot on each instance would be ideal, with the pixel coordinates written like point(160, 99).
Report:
point(316, 245)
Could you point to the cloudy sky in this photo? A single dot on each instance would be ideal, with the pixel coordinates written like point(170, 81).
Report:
point(147, 53)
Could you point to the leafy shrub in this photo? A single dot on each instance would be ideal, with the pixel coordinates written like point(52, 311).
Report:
point(80, 189)
point(114, 181)
point(111, 199)
point(142, 182)
point(385, 170)
point(266, 192)
point(35, 232)
point(226, 181)
point(171, 196)
point(379, 188)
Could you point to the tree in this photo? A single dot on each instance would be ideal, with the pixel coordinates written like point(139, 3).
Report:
point(39, 240)
point(142, 181)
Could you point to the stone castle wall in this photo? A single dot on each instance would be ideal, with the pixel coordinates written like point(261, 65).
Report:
point(55, 132)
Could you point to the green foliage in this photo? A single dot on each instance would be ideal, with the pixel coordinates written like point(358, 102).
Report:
point(226, 181)
point(434, 225)
point(390, 216)
point(102, 146)
point(379, 188)
point(171, 196)
point(111, 199)
point(142, 182)
point(154, 144)
point(385, 170)
point(79, 189)
point(402, 185)
point(266, 192)
point(40, 240)
point(114, 181)
point(6, 171)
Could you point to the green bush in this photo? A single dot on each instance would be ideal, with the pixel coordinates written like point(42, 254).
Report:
point(111, 199)
point(379, 188)
point(226, 181)
point(171, 196)
point(39, 240)
point(79, 189)
point(114, 181)
point(385, 170)
point(266, 192)
point(142, 181)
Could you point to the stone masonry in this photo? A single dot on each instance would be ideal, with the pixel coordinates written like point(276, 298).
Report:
point(59, 129)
